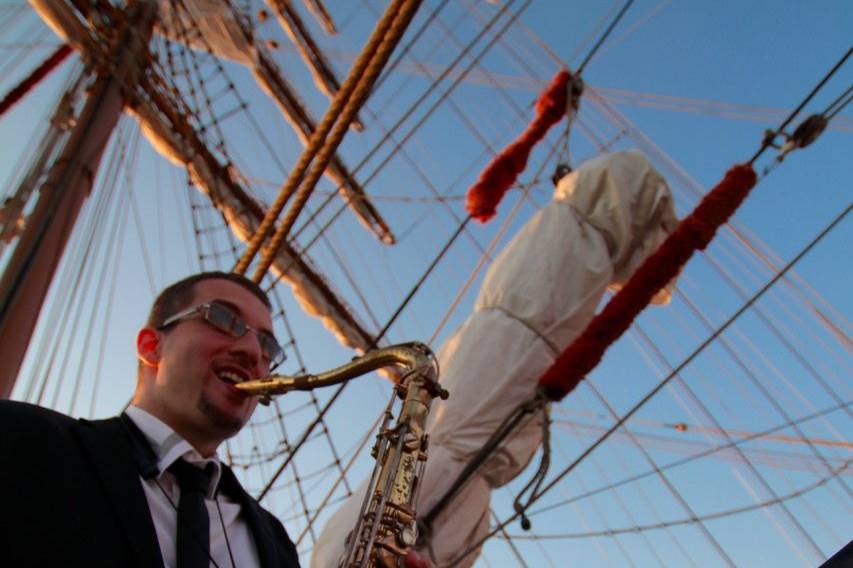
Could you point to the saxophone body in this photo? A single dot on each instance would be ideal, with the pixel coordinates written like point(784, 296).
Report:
point(386, 529)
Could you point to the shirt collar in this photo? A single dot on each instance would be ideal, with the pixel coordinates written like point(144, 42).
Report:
point(169, 446)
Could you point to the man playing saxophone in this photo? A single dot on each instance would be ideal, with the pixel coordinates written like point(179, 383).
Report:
point(146, 488)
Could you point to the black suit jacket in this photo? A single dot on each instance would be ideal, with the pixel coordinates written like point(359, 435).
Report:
point(70, 496)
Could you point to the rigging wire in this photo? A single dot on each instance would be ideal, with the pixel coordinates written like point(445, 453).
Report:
point(690, 520)
point(695, 404)
point(769, 139)
point(128, 157)
point(670, 486)
point(88, 248)
point(601, 472)
point(689, 459)
point(838, 104)
point(603, 38)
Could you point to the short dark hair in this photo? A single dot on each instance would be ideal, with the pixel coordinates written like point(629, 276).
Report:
point(179, 295)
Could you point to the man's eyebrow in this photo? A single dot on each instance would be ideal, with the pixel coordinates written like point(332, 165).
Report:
point(234, 307)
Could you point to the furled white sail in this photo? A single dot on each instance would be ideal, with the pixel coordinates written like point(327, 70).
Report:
point(541, 291)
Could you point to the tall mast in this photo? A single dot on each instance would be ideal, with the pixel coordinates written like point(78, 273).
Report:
point(70, 176)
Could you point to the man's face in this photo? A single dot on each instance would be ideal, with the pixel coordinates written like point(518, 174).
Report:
point(190, 390)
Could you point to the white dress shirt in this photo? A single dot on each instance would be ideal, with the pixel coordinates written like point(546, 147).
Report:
point(227, 526)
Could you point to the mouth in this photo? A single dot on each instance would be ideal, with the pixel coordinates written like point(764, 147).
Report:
point(232, 375)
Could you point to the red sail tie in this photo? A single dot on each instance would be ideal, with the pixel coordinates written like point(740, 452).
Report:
point(500, 174)
point(693, 233)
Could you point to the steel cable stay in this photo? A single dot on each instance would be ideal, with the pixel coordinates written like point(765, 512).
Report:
point(651, 347)
point(603, 37)
point(128, 159)
point(770, 317)
point(601, 472)
point(704, 517)
point(99, 366)
point(35, 34)
point(749, 396)
point(668, 484)
point(684, 363)
point(29, 174)
point(691, 458)
point(525, 59)
point(729, 347)
point(86, 251)
point(695, 405)
point(768, 140)
point(779, 459)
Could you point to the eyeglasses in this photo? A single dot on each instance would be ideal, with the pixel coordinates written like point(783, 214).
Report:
point(225, 320)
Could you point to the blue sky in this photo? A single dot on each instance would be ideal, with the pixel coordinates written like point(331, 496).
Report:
point(766, 55)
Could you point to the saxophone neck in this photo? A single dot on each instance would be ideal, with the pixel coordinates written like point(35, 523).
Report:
point(416, 358)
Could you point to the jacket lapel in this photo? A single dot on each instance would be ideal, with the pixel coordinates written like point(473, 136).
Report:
point(107, 445)
point(254, 515)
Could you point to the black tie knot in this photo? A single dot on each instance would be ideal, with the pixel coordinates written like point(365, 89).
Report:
point(191, 479)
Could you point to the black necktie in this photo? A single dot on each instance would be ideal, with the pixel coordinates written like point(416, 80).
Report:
point(193, 549)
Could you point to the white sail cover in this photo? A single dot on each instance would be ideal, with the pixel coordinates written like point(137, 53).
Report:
point(539, 294)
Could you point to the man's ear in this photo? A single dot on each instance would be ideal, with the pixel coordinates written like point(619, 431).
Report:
point(148, 346)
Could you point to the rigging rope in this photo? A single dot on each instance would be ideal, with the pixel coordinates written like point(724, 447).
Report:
point(434, 84)
point(35, 77)
point(337, 107)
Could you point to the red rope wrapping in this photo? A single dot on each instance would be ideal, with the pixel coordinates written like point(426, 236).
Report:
point(693, 233)
point(40, 73)
point(500, 174)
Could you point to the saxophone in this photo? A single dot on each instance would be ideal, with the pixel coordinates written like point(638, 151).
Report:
point(387, 528)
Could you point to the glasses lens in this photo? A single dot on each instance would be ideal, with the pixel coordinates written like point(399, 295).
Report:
point(271, 349)
point(225, 320)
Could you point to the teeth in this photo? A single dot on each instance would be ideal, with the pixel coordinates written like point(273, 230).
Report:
point(231, 377)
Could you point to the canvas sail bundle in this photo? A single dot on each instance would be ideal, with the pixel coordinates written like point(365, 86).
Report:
point(538, 295)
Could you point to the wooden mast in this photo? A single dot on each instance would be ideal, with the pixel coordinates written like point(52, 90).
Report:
point(26, 281)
